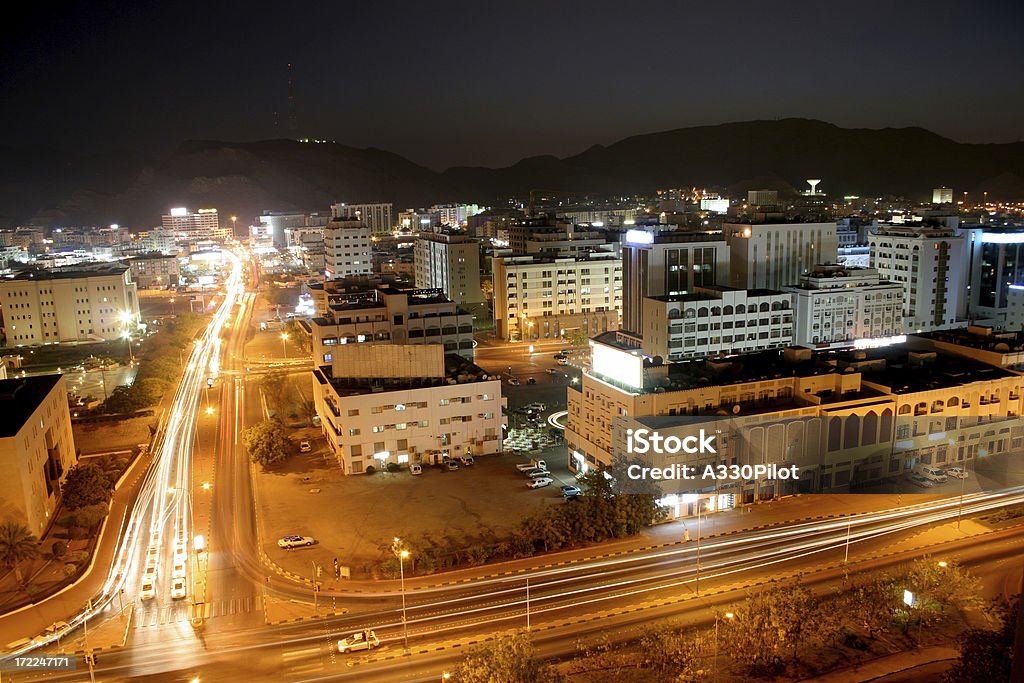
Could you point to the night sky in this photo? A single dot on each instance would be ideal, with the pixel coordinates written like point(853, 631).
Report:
point(451, 83)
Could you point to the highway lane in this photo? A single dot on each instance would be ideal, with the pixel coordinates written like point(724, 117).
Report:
point(304, 651)
point(611, 584)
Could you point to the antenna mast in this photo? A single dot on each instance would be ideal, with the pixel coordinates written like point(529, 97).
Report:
point(292, 124)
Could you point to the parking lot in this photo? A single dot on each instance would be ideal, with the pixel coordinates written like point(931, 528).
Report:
point(355, 518)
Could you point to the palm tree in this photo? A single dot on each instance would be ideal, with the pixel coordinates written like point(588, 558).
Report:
point(17, 544)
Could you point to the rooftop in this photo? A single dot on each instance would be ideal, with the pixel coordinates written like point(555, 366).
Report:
point(20, 397)
point(457, 369)
point(905, 371)
point(981, 338)
point(70, 273)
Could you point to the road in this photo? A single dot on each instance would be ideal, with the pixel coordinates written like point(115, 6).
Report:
point(603, 593)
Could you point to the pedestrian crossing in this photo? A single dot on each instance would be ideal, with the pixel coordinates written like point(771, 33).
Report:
point(160, 615)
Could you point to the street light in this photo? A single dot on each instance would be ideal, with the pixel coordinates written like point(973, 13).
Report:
point(284, 343)
point(402, 555)
point(708, 506)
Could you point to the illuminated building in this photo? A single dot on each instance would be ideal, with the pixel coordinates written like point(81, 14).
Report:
point(81, 303)
point(835, 305)
point(203, 224)
point(378, 217)
point(37, 448)
point(403, 404)
point(347, 247)
point(543, 298)
point(450, 262)
point(775, 255)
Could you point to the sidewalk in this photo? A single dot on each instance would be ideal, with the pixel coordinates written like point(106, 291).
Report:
point(788, 510)
point(885, 667)
point(32, 620)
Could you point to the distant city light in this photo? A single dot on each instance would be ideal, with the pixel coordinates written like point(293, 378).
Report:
point(879, 342)
point(179, 211)
point(1002, 237)
point(639, 237)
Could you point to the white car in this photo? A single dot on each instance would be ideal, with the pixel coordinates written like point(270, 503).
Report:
point(305, 447)
point(178, 589)
point(179, 570)
point(364, 640)
point(957, 473)
point(148, 587)
point(294, 541)
point(415, 469)
point(540, 483)
point(467, 460)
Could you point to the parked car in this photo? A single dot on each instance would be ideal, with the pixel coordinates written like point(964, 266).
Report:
point(559, 356)
point(415, 469)
point(467, 460)
point(957, 472)
point(531, 380)
point(364, 640)
point(540, 483)
point(451, 465)
point(178, 589)
point(305, 447)
point(563, 361)
point(179, 570)
point(538, 474)
point(931, 472)
point(513, 381)
point(918, 480)
point(294, 541)
point(533, 464)
point(536, 405)
point(570, 491)
point(551, 371)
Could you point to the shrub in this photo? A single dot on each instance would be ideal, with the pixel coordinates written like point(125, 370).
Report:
point(78, 533)
point(59, 549)
point(90, 516)
point(371, 469)
point(393, 467)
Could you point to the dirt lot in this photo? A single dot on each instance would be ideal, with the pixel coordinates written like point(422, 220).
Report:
point(103, 437)
point(355, 518)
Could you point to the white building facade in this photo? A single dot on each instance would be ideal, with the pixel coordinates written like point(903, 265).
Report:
point(347, 249)
point(450, 262)
point(836, 307)
point(538, 298)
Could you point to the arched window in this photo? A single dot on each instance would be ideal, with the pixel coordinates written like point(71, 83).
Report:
point(764, 308)
point(716, 311)
point(869, 429)
point(852, 431)
point(740, 308)
point(953, 401)
point(904, 409)
point(673, 313)
point(690, 313)
point(702, 312)
point(727, 310)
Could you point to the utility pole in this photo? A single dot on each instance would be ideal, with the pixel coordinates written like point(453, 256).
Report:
point(527, 603)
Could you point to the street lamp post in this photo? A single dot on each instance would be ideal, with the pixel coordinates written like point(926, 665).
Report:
point(402, 554)
point(284, 343)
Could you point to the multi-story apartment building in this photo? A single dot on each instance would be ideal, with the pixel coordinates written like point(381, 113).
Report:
point(158, 239)
point(379, 217)
point(540, 298)
point(932, 263)
point(37, 448)
point(556, 238)
point(942, 195)
point(453, 215)
point(280, 223)
point(403, 404)
point(774, 255)
point(347, 249)
point(667, 264)
point(388, 315)
point(81, 303)
point(716, 321)
point(203, 224)
point(154, 270)
point(450, 262)
point(836, 306)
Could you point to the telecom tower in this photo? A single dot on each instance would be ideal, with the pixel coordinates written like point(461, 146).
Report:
point(292, 124)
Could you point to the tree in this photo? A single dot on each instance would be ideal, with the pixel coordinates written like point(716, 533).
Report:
point(577, 337)
point(17, 544)
point(943, 585)
point(86, 485)
point(987, 655)
point(267, 442)
point(507, 659)
point(679, 656)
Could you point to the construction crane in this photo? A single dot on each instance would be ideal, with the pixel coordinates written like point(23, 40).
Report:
point(556, 193)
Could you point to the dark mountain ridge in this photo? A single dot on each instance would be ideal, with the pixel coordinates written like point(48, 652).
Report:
point(50, 187)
